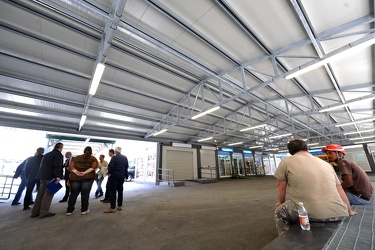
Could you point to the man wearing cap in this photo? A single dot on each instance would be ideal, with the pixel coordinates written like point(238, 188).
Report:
point(355, 181)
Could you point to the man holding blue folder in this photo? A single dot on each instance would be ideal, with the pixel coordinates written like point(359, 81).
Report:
point(50, 168)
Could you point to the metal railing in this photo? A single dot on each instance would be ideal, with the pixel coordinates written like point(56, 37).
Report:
point(169, 176)
point(207, 173)
point(6, 185)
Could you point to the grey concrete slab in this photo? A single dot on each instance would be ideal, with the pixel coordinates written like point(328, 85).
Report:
point(229, 214)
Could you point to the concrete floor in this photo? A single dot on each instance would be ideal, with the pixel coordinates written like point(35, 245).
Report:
point(229, 214)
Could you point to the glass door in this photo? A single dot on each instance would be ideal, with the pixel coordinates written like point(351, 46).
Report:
point(259, 169)
point(249, 164)
point(238, 164)
point(224, 164)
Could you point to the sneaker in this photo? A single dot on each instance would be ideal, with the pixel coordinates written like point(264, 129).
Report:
point(69, 214)
point(119, 207)
point(85, 212)
point(110, 210)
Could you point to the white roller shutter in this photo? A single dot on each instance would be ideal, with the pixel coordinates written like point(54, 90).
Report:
point(208, 159)
point(182, 161)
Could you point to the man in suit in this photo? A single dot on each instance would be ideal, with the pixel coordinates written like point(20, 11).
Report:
point(69, 158)
point(50, 168)
point(117, 171)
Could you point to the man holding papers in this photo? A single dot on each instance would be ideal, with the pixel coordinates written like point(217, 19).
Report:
point(50, 168)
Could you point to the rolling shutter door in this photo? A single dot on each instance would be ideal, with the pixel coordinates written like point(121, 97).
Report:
point(208, 160)
point(182, 164)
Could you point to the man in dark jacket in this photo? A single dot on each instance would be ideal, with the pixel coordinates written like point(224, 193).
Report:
point(31, 170)
point(117, 170)
point(50, 167)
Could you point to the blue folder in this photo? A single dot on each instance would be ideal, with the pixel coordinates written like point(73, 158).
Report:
point(53, 187)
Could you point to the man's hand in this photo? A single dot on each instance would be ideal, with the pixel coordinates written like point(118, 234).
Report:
point(57, 180)
point(352, 213)
point(277, 204)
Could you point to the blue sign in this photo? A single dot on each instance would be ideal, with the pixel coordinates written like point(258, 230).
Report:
point(248, 152)
point(317, 151)
point(223, 153)
point(227, 149)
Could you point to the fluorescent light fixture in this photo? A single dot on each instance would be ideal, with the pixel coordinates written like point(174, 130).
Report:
point(271, 149)
point(359, 132)
point(351, 123)
point(313, 144)
point(205, 139)
point(82, 121)
point(342, 52)
point(360, 142)
point(317, 147)
point(236, 143)
point(254, 127)
point(283, 151)
point(333, 108)
point(159, 132)
point(278, 136)
point(96, 79)
point(17, 111)
point(260, 146)
point(205, 112)
point(361, 138)
point(352, 146)
point(87, 140)
point(113, 126)
point(370, 97)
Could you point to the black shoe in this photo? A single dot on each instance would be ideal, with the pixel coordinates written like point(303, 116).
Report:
point(26, 208)
point(31, 203)
point(103, 200)
point(35, 215)
point(47, 215)
point(63, 200)
point(16, 203)
point(100, 195)
point(106, 201)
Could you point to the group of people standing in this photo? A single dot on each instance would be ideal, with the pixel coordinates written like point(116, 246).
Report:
point(80, 173)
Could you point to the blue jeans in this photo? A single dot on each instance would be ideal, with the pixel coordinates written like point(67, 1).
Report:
point(21, 187)
point(82, 187)
point(99, 190)
point(355, 200)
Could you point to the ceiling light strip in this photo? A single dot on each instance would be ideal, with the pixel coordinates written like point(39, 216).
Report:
point(359, 132)
point(337, 54)
point(159, 132)
point(205, 112)
point(205, 139)
point(96, 79)
point(254, 127)
point(279, 136)
point(236, 143)
point(356, 122)
point(361, 138)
